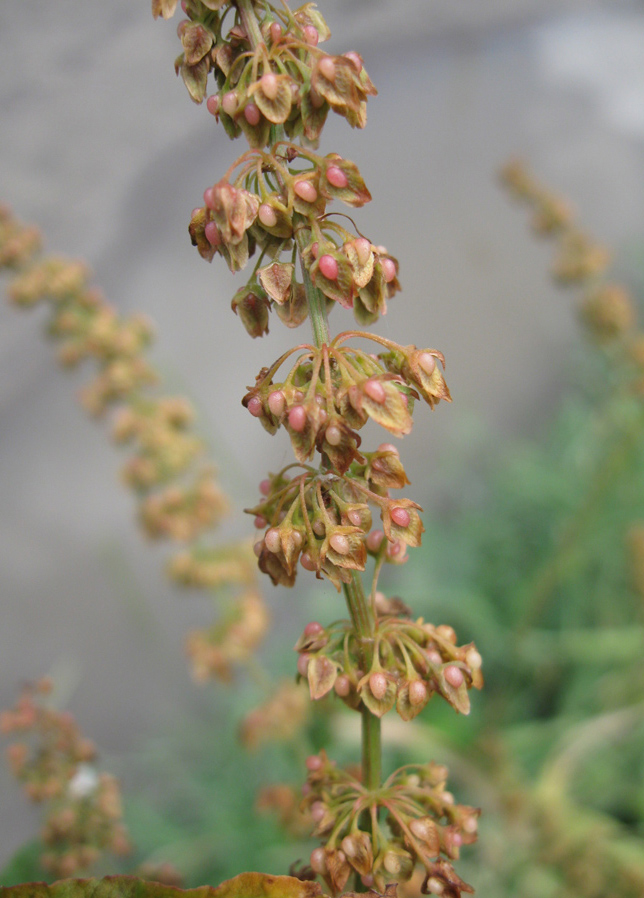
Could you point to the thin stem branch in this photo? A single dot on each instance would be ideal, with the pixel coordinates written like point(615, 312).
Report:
point(250, 23)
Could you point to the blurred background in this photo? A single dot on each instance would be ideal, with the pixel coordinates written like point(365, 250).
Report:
point(103, 149)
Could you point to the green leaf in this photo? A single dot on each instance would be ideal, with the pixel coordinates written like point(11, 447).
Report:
point(24, 865)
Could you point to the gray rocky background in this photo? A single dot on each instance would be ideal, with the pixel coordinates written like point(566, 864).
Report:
point(100, 145)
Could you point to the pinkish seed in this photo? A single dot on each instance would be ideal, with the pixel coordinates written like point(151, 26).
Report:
point(367, 880)
point(229, 102)
point(363, 249)
point(303, 664)
point(276, 31)
point(434, 657)
point(258, 548)
point(328, 267)
point(400, 516)
point(270, 85)
point(315, 249)
point(272, 540)
point(354, 57)
point(277, 403)
point(336, 177)
point(267, 215)
point(212, 104)
point(354, 517)
point(311, 35)
point(317, 811)
point(255, 407)
point(318, 861)
point(213, 235)
point(340, 544)
point(209, 197)
point(260, 522)
point(297, 418)
point(375, 390)
point(306, 191)
point(265, 487)
point(374, 540)
point(333, 435)
point(427, 362)
point(313, 628)
point(326, 67)
point(314, 762)
point(306, 789)
point(378, 685)
point(454, 676)
point(252, 114)
point(307, 562)
point(342, 686)
point(388, 447)
point(388, 270)
point(417, 692)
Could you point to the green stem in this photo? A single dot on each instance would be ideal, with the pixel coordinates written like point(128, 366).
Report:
point(314, 297)
point(250, 23)
point(371, 750)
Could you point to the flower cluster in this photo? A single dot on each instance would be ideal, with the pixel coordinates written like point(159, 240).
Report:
point(178, 494)
point(324, 520)
point(410, 662)
point(283, 79)
point(332, 391)
point(276, 205)
point(56, 765)
point(423, 824)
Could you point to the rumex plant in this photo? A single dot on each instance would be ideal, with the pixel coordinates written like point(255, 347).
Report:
point(265, 78)
point(333, 512)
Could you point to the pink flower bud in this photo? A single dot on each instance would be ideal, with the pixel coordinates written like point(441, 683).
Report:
point(354, 517)
point(318, 861)
point(311, 35)
point(315, 249)
point(326, 67)
point(375, 390)
point(317, 811)
point(328, 267)
point(275, 31)
point(307, 562)
point(267, 215)
point(260, 522)
point(333, 435)
point(252, 114)
point(297, 418)
point(212, 104)
point(388, 270)
point(434, 657)
point(454, 676)
point(258, 548)
point(395, 548)
point(270, 85)
point(306, 191)
point(229, 102)
point(427, 362)
point(374, 540)
point(354, 57)
point(272, 540)
point(367, 880)
point(303, 664)
point(378, 685)
point(209, 197)
point(313, 628)
point(277, 403)
point(265, 487)
point(212, 233)
point(336, 177)
point(417, 692)
point(342, 685)
point(340, 544)
point(400, 516)
point(314, 762)
point(255, 407)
